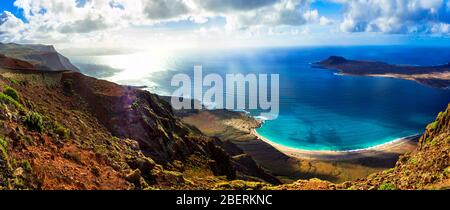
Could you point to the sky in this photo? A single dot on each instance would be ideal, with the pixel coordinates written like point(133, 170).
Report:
point(87, 24)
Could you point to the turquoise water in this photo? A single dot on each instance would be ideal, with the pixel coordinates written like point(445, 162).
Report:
point(319, 110)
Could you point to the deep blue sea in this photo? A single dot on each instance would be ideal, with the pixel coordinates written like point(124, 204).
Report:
point(319, 110)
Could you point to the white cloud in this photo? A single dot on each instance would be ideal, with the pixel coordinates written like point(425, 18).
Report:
point(165, 9)
point(441, 28)
point(71, 20)
point(325, 21)
point(284, 12)
point(234, 5)
point(395, 16)
point(11, 27)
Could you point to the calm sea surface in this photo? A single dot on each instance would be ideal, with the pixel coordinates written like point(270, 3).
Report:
point(319, 110)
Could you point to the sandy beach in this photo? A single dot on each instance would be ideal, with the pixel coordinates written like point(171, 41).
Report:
point(290, 164)
point(399, 146)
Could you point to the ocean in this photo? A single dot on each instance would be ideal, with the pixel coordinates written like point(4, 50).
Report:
point(319, 109)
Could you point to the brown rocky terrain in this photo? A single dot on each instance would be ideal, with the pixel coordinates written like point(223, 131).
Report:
point(64, 130)
point(11, 63)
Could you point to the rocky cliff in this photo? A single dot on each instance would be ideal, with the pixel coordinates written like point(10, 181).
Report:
point(44, 57)
point(64, 130)
point(11, 63)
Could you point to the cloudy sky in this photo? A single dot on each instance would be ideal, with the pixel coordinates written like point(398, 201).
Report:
point(224, 23)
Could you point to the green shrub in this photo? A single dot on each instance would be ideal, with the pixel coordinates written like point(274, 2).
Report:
point(61, 131)
point(8, 100)
point(387, 186)
point(4, 150)
point(13, 81)
point(442, 114)
point(3, 146)
point(413, 161)
point(135, 105)
point(389, 171)
point(26, 166)
point(447, 171)
point(432, 126)
point(34, 121)
point(11, 92)
point(27, 139)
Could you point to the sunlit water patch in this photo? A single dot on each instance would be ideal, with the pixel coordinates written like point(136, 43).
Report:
point(319, 109)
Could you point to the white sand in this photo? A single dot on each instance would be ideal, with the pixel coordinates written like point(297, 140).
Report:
point(398, 146)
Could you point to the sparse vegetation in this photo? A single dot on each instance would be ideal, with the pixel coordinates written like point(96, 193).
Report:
point(388, 171)
point(8, 100)
point(433, 125)
point(11, 92)
point(241, 185)
point(27, 139)
point(34, 121)
point(26, 166)
point(447, 171)
point(387, 186)
point(13, 81)
point(4, 151)
point(135, 105)
point(3, 147)
point(413, 161)
point(61, 131)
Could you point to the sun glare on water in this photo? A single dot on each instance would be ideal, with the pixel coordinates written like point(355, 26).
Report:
point(137, 66)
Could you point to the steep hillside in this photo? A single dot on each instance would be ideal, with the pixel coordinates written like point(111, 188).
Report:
point(426, 168)
point(64, 130)
point(11, 63)
point(44, 57)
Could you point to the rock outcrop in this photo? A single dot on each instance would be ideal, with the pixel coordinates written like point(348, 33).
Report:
point(11, 63)
point(43, 57)
point(65, 130)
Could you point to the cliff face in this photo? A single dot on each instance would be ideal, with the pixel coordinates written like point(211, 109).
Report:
point(11, 63)
point(64, 130)
point(43, 57)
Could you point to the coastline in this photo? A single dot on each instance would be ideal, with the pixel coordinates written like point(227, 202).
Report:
point(426, 80)
point(397, 146)
point(289, 164)
point(432, 76)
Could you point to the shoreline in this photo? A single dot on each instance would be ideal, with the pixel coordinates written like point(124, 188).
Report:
point(432, 78)
point(397, 146)
point(290, 164)
point(413, 78)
